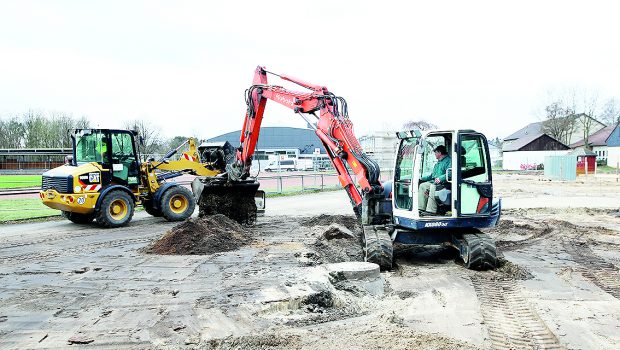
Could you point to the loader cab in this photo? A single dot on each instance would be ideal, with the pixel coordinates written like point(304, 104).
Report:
point(465, 189)
point(115, 152)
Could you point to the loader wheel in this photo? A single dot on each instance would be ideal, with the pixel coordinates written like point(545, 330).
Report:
point(378, 247)
point(78, 218)
point(478, 251)
point(177, 203)
point(116, 209)
point(148, 207)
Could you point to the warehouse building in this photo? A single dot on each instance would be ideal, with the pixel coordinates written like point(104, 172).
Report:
point(277, 144)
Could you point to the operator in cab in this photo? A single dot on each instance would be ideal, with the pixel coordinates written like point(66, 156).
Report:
point(428, 183)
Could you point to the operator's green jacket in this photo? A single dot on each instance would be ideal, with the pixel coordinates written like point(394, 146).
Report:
point(439, 170)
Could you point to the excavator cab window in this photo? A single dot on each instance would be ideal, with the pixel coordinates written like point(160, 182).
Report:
point(476, 190)
point(403, 174)
point(428, 158)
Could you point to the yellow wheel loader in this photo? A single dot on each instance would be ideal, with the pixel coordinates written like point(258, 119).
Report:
point(104, 179)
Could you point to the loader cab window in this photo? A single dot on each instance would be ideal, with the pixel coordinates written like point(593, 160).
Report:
point(124, 162)
point(90, 147)
point(403, 174)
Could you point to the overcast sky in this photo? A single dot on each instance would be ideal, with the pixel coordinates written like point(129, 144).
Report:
point(184, 65)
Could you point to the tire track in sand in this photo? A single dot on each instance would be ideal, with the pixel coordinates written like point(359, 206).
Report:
point(510, 320)
point(600, 272)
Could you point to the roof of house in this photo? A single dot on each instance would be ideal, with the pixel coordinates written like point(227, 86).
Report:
point(582, 152)
point(528, 130)
point(526, 140)
point(521, 142)
point(599, 138)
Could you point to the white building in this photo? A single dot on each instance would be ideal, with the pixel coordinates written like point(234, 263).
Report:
point(381, 146)
point(529, 152)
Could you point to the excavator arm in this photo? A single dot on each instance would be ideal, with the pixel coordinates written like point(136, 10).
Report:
point(332, 126)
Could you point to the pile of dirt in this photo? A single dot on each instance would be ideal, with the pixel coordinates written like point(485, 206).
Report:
point(343, 335)
point(341, 249)
point(511, 270)
point(350, 221)
point(206, 235)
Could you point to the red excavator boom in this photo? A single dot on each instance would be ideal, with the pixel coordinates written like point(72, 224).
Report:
point(333, 127)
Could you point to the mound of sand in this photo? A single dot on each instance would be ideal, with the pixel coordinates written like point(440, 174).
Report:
point(206, 235)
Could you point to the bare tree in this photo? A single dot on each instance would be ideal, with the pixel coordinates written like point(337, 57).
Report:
point(421, 125)
point(577, 109)
point(610, 112)
point(36, 130)
point(12, 133)
point(151, 138)
point(560, 121)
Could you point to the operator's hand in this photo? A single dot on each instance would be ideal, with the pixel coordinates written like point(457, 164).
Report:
point(437, 181)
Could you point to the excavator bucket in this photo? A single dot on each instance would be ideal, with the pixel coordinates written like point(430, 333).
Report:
point(237, 200)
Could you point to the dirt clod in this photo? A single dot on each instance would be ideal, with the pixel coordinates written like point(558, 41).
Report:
point(261, 341)
point(206, 235)
point(337, 231)
point(80, 339)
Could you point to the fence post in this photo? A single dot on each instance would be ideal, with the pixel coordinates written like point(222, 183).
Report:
point(280, 184)
point(322, 181)
point(302, 182)
point(617, 168)
point(586, 164)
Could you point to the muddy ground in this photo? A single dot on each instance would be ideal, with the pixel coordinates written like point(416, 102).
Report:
point(558, 286)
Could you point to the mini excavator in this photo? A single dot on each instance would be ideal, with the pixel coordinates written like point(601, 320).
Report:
point(387, 212)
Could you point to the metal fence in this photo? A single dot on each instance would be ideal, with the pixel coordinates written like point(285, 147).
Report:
point(279, 183)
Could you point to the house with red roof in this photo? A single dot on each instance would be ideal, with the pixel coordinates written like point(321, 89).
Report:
point(597, 142)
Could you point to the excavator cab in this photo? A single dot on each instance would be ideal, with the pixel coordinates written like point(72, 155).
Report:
point(464, 190)
point(462, 197)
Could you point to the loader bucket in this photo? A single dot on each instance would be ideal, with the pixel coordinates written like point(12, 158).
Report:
point(235, 199)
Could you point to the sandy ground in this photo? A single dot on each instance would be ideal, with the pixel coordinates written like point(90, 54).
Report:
point(559, 286)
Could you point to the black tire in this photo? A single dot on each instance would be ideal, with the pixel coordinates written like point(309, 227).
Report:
point(378, 246)
point(148, 207)
point(117, 208)
point(480, 252)
point(78, 218)
point(177, 203)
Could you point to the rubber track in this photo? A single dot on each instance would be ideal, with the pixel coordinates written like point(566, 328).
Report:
point(378, 247)
point(510, 320)
point(482, 251)
point(601, 273)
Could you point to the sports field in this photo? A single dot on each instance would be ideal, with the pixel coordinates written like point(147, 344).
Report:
point(19, 181)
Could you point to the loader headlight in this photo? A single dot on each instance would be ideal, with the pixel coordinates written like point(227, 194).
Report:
point(77, 189)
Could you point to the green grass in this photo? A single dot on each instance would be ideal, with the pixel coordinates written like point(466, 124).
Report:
point(19, 181)
point(605, 169)
point(21, 209)
point(31, 208)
